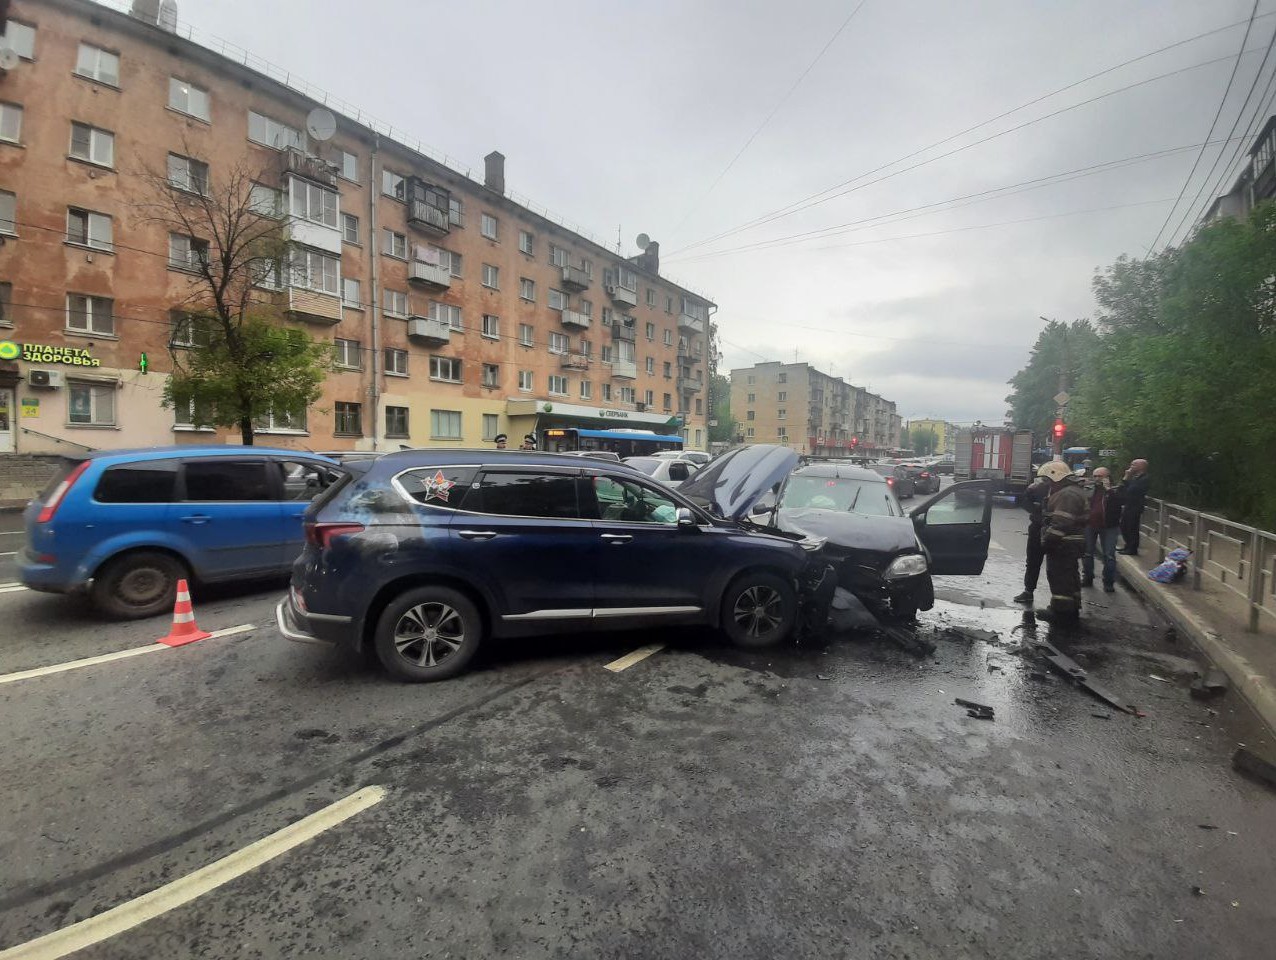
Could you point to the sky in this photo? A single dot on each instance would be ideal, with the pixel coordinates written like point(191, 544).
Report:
point(622, 117)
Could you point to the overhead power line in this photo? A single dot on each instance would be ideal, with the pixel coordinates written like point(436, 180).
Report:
point(802, 204)
point(1213, 123)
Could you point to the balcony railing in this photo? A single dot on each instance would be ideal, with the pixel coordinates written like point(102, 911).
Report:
point(313, 306)
point(302, 164)
point(688, 385)
point(575, 361)
point(429, 329)
point(623, 295)
point(575, 278)
point(621, 331)
point(690, 324)
point(432, 273)
point(625, 369)
point(573, 318)
point(428, 217)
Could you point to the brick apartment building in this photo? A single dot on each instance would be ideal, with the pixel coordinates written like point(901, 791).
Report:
point(815, 413)
point(456, 312)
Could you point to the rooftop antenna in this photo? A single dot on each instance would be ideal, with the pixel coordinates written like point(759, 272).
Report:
point(618, 239)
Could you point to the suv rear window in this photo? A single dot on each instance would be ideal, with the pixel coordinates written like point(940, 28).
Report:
point(152, 481)
point(222, 480)
point(552, 496)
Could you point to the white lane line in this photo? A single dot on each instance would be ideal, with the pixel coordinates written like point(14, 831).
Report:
point(108, 657)
point(17, 589)
point(629, 659)
point(11, 553)
point(183, 890)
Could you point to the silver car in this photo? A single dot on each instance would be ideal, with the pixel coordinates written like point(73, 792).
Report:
point(668, 471)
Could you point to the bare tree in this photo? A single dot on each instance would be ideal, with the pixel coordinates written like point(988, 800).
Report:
point(236, 358)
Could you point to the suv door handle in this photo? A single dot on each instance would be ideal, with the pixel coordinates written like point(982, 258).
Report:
point(476, 534)
point(196, 518)
point(618, 537)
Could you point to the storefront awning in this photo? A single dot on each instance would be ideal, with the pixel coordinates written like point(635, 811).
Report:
point(579, 415)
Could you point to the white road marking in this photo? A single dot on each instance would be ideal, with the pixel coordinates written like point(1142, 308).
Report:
point(18, 589)
point(11, 553)
point(160, 901)
point(629, 659)
point(108, 657)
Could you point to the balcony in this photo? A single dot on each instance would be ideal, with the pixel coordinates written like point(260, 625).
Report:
point(427, 217)
point(430, 273)
point(575, 361)
point(574, 278)
point(623, 295)
point(623, 331)
point(688, 385)
point(429, 330)
point(301, 164)
point(625, 369)
point(313, 306)
point(686, 352)
point(572, 318)
point(690, 324)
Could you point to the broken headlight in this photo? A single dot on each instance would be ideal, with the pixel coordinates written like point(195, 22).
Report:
point(909, 565)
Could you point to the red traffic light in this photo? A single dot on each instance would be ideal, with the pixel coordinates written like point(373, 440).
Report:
point(855, 442)
point(1059, 429)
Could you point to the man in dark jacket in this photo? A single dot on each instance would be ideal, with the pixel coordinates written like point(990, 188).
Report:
point(1101, 530)
point(1034, 501)
point(1063, 540)
point(1134, 488)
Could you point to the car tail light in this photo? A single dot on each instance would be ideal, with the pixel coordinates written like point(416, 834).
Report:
point(59, 493)
point(925, 475)
point(321, 534)
point(890, 481)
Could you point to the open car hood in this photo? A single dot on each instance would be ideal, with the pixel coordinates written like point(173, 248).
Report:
point(732, 483)
point(854, 531)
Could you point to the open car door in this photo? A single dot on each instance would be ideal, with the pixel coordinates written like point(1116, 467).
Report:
point(956, 526)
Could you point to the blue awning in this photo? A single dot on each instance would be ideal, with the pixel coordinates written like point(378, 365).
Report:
point(630, 435)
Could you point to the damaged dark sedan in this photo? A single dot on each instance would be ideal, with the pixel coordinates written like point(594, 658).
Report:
point(881, 554)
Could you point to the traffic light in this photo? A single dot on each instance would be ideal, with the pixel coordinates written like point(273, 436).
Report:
point(855, 442)
point(1059, 429)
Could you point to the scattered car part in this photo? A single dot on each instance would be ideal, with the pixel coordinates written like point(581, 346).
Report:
point(980, 711)
point(1077, 674)
point(1213, 684)
point(1247, 761)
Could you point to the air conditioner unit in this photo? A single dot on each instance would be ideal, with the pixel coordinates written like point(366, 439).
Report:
point(611, 288)
point(46, 378)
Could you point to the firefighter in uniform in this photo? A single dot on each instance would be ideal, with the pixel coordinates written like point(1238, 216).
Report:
point(1034, 501)
point(1063, 541)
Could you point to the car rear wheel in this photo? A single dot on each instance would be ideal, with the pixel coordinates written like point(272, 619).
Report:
point(759, 610)
point(136, 585)
point(429, 633)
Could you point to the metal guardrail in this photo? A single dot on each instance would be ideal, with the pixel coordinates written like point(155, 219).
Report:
point(1241, 559)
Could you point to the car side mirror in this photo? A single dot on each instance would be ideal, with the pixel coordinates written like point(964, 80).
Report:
point(760, 508)
point(686, 518)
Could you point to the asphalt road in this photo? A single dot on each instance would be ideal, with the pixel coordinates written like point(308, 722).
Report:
point(827, 800)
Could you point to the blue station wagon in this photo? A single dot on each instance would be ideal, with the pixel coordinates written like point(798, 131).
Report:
point(126, 525)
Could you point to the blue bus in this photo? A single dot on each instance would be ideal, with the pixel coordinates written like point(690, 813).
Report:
point(623, 443)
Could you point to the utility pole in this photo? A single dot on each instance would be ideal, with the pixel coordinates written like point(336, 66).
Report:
point(1061, 398)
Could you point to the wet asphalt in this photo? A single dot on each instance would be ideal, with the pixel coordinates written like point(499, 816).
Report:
point(822, 800)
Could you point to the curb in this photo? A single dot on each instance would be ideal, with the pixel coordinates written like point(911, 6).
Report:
point(1256, 688)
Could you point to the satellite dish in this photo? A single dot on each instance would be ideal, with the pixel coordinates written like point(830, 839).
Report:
point(321, 124)
point(642, 241)
point(9, 58)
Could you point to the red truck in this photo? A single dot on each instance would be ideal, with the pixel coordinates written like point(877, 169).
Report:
point(995, 453)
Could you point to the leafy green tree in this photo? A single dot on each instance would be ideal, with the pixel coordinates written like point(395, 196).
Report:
point(923, 440)
point(1034, 387)
point(234, 358)
point(725, 431)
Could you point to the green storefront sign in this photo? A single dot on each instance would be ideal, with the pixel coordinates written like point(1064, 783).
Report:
point(45, 353)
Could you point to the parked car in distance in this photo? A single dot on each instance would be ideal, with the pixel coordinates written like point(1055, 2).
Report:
point(667, 470)
point(925, 480)
point(698, 457)
point(897, 476)
point(423, 555)
point(348, 456)
point(943, 466)
point(126, 525)
point(595, 454)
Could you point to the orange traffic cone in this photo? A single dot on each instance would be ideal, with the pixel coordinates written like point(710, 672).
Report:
point(184, 627)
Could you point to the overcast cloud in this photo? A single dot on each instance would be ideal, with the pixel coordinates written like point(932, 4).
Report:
point(619, 116)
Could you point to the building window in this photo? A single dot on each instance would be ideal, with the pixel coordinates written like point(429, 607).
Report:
point(783, 378)
point(454, 212)
point(396, 362)
point(649, 398)
point(491, 376)
point(526, 288)
point(622, 277)
point(668, 370)
point(447, 369)
point(272, 133)
point(186, 253)
point(394, 303)
point(628, 395)
point(312, 202)
point(447, 312)
point(699, 405)
point(748, 432)
point(557, 299)
point(526, 334)
point(651, 297)
point(782, 396)
point(491, 277)
point(781, 414)
point(445, 424)
point(85, 314)
point(487, 226)
point(348, 352)
point(264, 201)
point(277, 421)
point(315, 270)
point(752, 379)
point(651, 365)
point(526, 242)
point(668, 304)
point(586, 348)
point(349, 228)
point(587, 308)
point(185, 173)
point(21, 37)
point(10, 122)
point(558, 343)
point(91, 403)
point(782, 433)
point(557, 385)
point(668, 338)
point(525, 380)
point(752, 398)
point(588, 267)
point(97, 64)
point(608, 316)
point(351, 293)
point(349, 419)
point(396, 422)
point(606, 352)
point(557, 256)
point(607, 391)
point(699, 438)
point(6, 305)
point(394, 185)
point(491, 424)
point(88, 229)
point(396, 245)
point(668, 403)
point(349, 164)
point(187, 98)
point(748, 415)
point(491, 326)
point(586, 390)
point(92, 144)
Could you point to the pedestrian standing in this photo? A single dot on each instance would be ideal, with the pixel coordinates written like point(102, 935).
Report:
point(501, 440)
point(1134, 489)
point(1063, 541)
point(1101, 530)
point(1034, 501)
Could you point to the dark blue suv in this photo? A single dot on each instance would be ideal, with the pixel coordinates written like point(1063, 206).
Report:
point(423, 554)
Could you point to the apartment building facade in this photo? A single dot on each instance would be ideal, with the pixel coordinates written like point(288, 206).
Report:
point(944, 432)
point(815, 413)
point(455, 312)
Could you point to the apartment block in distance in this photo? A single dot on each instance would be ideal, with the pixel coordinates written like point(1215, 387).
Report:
point(815, 413)
point(455, 312)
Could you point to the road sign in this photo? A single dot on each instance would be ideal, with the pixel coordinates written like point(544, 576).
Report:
point(1062, 398)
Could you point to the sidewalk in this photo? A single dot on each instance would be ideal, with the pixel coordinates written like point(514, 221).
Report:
point(1203, 616)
